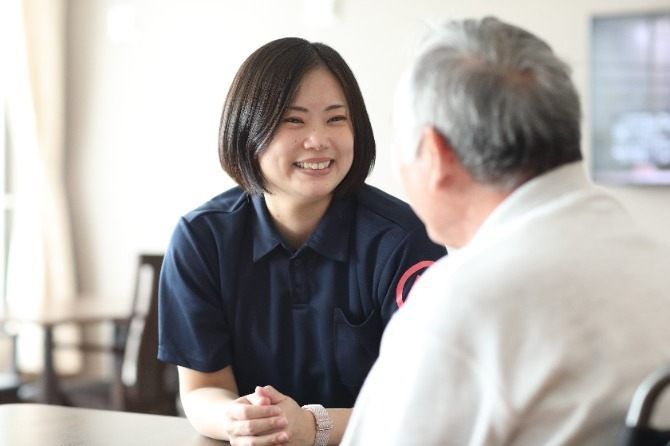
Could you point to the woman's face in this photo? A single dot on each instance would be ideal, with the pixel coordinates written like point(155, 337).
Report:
point(313, 147)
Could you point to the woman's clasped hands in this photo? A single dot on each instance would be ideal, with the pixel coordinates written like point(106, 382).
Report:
point(268, 417)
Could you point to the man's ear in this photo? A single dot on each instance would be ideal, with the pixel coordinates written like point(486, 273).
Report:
point(441, 157)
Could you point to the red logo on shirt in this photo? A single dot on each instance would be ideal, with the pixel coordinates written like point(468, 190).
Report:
point(411, 275)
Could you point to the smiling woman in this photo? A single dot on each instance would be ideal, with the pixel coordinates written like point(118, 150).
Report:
point(288, 281)
point(311, 151)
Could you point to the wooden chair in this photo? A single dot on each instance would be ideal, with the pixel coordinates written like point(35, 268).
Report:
point(140, 383)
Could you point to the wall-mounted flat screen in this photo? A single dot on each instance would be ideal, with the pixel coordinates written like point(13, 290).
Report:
point(630, 98)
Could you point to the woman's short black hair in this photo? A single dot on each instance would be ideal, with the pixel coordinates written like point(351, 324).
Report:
point(264, 86)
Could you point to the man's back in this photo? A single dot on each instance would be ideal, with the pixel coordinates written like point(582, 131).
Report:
point(535, 333)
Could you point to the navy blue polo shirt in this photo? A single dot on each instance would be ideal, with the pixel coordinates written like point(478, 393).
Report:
point(307, 321)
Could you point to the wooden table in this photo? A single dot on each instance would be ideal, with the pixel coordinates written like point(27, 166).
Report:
point(83, 311)
point(47, 425)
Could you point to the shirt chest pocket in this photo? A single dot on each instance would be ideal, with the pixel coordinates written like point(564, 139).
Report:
point(356, 348)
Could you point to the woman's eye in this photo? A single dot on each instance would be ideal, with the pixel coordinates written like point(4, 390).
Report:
point(338, 118)
point(292, 120)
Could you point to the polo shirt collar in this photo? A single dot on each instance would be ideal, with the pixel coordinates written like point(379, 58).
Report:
point(330, 238)
point(265, 236)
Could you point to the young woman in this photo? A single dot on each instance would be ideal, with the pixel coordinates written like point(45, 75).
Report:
point(288, 280)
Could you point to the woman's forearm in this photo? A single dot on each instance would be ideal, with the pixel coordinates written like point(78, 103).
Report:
point(206, 408)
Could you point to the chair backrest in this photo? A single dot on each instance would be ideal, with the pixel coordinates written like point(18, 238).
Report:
point(638, 430)
point(146, 379)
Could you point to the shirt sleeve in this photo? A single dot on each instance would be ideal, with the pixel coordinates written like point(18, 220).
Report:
point(412, 256)
point(193, 330)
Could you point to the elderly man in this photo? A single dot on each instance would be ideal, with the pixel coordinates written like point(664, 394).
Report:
point(538, 329)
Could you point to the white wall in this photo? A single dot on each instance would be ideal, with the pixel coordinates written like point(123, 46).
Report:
point(144, 103)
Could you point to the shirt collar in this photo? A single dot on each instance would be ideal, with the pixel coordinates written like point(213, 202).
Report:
point(330, 238)
point(265, 236)
point(538, 195)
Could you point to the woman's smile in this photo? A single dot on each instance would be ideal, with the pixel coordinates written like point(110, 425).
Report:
point(315, 165)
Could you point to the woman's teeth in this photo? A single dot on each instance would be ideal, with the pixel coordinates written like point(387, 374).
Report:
point(313, 166)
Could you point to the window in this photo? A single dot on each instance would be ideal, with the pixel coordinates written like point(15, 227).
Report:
point(5, 161)
point(6, 204)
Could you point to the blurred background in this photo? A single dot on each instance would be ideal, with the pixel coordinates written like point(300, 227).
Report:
point(112, 109)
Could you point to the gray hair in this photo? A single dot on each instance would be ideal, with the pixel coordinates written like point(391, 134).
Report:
point(498, 95)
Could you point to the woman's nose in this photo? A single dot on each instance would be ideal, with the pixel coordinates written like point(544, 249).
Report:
point(316, 139)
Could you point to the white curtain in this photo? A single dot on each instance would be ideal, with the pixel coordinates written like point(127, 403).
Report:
point(40, 266)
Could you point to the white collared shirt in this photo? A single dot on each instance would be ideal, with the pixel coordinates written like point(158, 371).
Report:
point(535, 333)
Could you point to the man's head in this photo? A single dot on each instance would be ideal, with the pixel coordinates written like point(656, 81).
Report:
point(493, 96)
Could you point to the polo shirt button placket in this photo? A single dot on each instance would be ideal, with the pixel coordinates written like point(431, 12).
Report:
point(297, 279)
